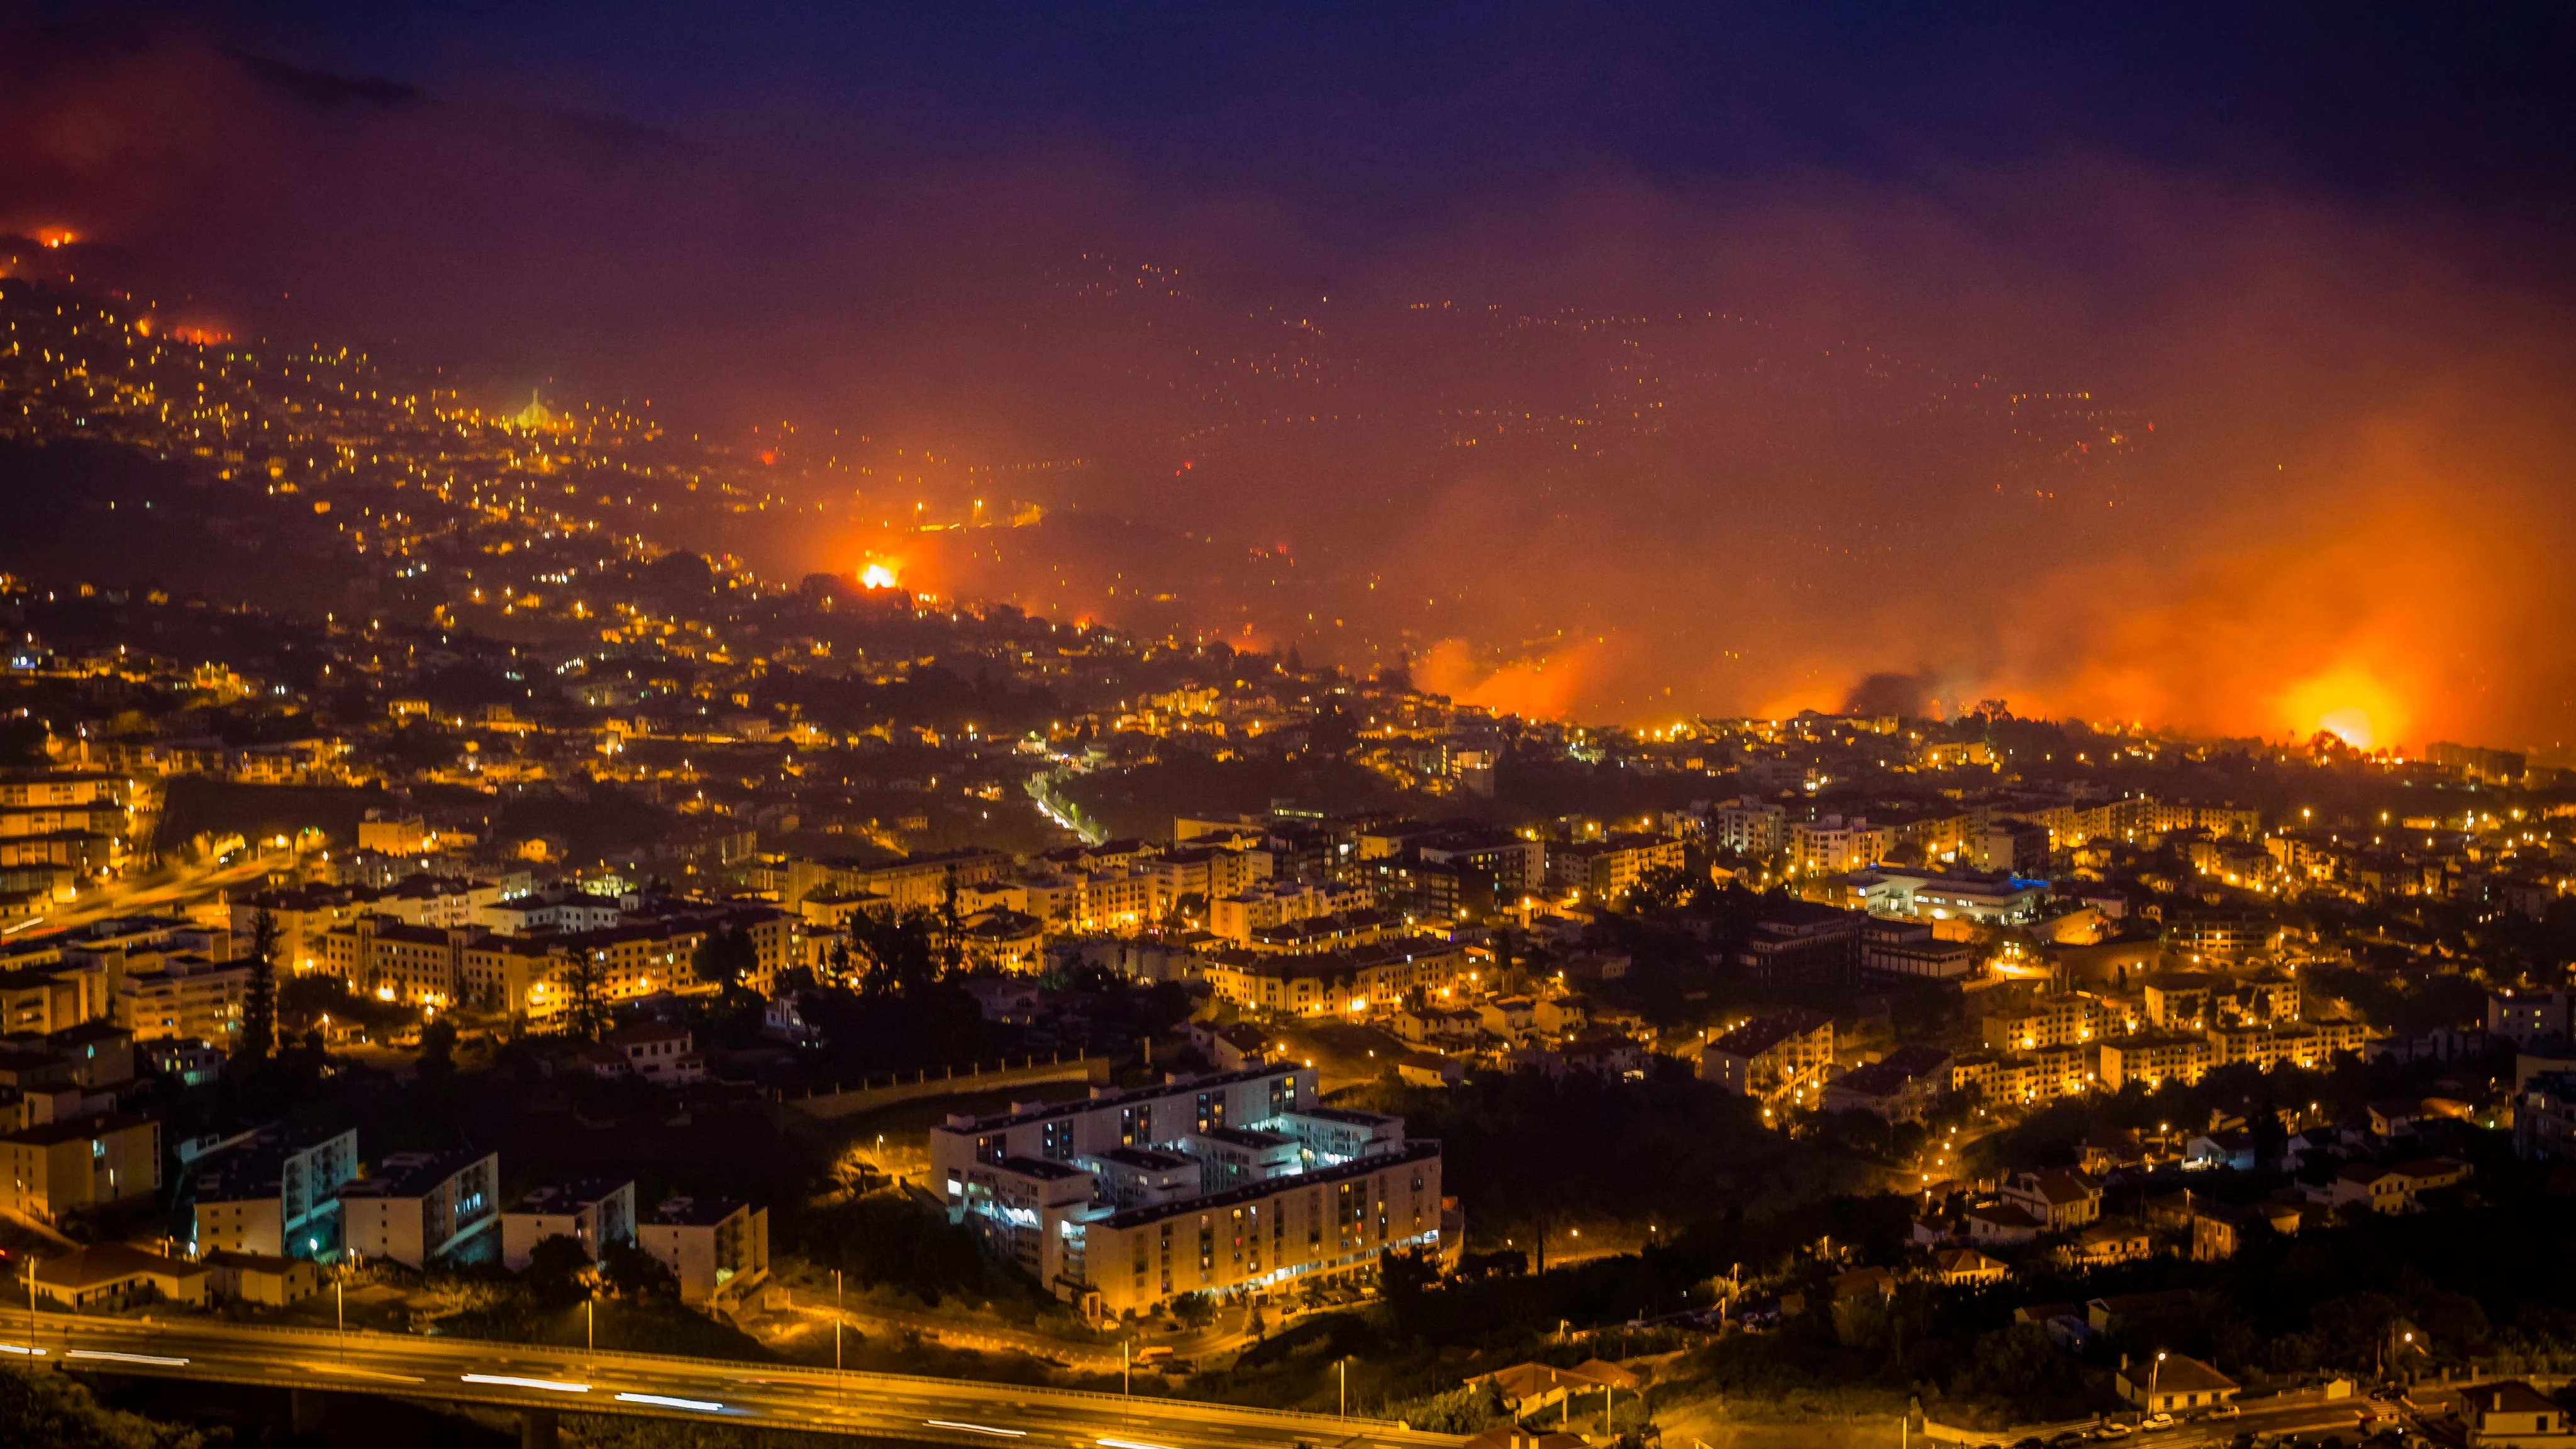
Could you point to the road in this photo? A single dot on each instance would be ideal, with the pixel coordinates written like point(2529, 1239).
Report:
point(505, 1375)
point(166, 886)
point(2301, 1413)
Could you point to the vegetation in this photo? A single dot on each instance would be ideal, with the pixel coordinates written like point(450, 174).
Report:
point(52, 1411)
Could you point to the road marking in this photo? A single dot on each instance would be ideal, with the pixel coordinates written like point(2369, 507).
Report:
point(507, 1382)
point(123, 1357)
point(1130, 1444)
point(703, 1406)
point(359, 1373)
point(21, 1350)
point(979, 1429)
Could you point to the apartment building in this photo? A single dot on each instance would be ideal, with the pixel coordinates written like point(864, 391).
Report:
point(593, 1212)
point(716, 1247)
point(418, 1207)
point(1605, 870)
point(55, 1169)
point(2154, 1058)
point(1772, 1057)
point(277, 1194)
point(1211, 1184)
point(1748, 826)
point(2057, 1019)
point(1366, 980)
point(913, 882)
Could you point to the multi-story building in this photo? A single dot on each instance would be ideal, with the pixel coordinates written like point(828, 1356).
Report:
point(1802, 942)
point(593, 1212)
point(1901, 1086)
point(2057, 1019)
point(384, 956)
point(1097, 1199)
point(717, 1248)
point(418, 1207)
point(1772, 1058)
point(1374, 979)
point(913, 882)
point(2153, 1059)
point(2526, 1017)
point(57, 1168)
point(1313, 934)
point(300, 917)
point(1911, 950)
point(1605, 870)
point(1278, 902)
point(1968, 897)
point(277, 1194)
point(1837, 844)
point(1749, 826)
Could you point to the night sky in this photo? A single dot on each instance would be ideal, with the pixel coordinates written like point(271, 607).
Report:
point(2207, 365)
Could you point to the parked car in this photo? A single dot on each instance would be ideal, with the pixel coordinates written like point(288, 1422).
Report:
point(2157, 1420)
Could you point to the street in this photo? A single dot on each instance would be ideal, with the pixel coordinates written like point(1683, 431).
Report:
point(518, 1376)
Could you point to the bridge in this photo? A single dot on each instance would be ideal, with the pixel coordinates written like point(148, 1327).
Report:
point(542, 1382)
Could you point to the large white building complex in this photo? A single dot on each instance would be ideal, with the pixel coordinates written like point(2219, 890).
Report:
point(1216, 1184)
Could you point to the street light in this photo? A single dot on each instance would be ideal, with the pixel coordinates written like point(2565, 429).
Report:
point(836, 1318)
point(2154, 1373)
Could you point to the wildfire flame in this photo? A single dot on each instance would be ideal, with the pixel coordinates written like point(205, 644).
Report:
point(879, 576)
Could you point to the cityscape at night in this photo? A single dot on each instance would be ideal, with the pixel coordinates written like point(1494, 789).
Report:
point(1300, 727)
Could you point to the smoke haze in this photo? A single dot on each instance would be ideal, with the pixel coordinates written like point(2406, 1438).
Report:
point(2101, 432)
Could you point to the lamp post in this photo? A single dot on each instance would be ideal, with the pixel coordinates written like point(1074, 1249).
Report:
point(836, 1318)
point(2154, 1372)
point(1344, 1368)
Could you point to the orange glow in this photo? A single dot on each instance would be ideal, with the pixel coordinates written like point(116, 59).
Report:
point(1544, 687)
point(200, 336)
point(2346, 703)
point(56, 236)
point(880, 574)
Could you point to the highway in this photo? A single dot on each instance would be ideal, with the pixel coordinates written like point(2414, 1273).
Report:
point(2303, 1413)
point(517, 1376)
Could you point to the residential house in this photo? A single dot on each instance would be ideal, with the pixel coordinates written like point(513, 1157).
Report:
point(113, 1275)
point(2514, 1415)
point(260, 1278)
point(1968, 1266)
point(655, 1051)
point(2105, 1244)
point(2002, 1225)
point(2169, 1383)
point(2058, 1198)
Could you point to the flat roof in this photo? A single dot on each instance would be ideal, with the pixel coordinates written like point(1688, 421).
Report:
point(1410, 1152)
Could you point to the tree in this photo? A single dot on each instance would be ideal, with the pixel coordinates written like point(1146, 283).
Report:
point(438, 1048)
point(952, 930)
point(726, 958)
point(556, 1267)
point(586, 1004)
point(634, 1273)
point(259, 998)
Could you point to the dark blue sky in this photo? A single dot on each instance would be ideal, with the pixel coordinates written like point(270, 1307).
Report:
point(1368, 110)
